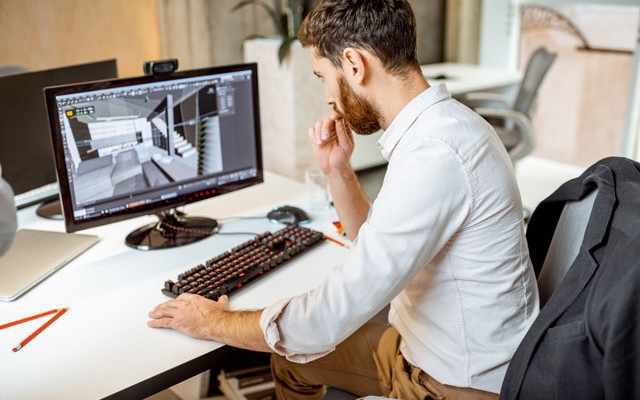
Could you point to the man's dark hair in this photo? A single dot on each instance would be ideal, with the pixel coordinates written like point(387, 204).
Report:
point(385, 28)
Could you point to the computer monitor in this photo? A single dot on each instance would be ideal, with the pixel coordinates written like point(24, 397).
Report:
point(147, 145)
point(25, 144)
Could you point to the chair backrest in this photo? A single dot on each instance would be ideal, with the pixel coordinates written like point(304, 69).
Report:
point(537, 67)
point(565, 245)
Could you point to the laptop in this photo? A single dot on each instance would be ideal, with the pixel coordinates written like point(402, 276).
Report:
point(35, 255)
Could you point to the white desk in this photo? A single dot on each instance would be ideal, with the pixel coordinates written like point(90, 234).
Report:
point(466, 78)
point(460, 79)
point(102, 347)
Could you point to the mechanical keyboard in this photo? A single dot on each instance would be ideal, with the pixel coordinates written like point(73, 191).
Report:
point(229, 271)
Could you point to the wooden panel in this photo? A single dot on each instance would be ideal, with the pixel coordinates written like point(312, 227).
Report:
point(41, 34)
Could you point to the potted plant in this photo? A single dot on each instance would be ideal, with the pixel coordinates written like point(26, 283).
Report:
point(291, 97)
point(285, 21)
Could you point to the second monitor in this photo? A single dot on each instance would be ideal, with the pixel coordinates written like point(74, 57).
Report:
point(129, 147)
point(25, 144)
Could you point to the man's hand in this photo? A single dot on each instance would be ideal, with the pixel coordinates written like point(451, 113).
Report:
point(201, 318)
point(332, 141)
point(332, 144)
point(190, 314)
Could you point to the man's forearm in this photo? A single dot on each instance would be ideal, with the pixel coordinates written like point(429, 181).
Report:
point(350, 201)
point(241, 329)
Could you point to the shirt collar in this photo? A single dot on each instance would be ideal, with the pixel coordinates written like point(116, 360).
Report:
point(407, 116)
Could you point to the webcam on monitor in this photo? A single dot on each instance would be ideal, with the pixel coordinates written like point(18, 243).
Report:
point(161, 67)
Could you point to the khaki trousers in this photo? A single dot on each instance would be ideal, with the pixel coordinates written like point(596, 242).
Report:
point(367, 363)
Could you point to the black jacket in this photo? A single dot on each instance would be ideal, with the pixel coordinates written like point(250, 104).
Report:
point(585, 344)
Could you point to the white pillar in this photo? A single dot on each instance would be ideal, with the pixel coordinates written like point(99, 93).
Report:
point(631, 142)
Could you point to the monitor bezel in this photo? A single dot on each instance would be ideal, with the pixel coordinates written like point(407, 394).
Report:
point(72, 225)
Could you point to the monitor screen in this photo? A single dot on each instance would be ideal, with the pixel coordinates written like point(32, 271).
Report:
point(25, 144)
point(143, 145)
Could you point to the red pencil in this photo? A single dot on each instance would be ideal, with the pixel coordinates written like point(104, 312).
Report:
point(43, 327)
point(29, 318)
point(339, 243)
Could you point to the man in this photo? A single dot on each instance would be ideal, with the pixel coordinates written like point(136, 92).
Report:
point(8, 221)
point(443, 242)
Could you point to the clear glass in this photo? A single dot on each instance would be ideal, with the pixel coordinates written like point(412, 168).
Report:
point(317, 189)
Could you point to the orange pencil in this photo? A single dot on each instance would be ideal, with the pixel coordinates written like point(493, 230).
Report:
point(29, 318)
point(335, 241)
point(37, 331)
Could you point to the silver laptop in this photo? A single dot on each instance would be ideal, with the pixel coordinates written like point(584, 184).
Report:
point(35, 255)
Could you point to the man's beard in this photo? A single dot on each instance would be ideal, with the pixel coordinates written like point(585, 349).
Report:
point(357, 111)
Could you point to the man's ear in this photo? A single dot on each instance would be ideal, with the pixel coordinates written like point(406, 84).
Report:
point(354, 65)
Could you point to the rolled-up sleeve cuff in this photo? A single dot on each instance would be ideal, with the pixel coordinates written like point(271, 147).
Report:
point(270, 327)
point(271, 331)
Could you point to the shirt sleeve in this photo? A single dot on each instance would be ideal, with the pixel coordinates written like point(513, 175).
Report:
point(8, 221)
point(418, 210)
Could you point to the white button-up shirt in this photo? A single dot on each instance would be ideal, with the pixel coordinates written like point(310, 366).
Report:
point(443, 243)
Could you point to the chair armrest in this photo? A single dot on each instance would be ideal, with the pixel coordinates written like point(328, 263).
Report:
point(488, 97)
point(521, 123)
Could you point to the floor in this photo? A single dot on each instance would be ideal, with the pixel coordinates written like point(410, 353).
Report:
point(536, 177)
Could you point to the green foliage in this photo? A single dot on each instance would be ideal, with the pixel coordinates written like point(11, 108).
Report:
point(286, 23)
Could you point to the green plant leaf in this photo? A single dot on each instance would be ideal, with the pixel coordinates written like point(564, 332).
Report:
point(299, 10)
point(275, 18)
point(284, 48)
point(287, 24)
point(307, 5)
point(284, 25)
point(295, 16)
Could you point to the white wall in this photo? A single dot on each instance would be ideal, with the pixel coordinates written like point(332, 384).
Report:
point(499, 36)
point(632, 126)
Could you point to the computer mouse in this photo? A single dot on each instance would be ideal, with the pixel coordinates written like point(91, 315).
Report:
point(288, 215)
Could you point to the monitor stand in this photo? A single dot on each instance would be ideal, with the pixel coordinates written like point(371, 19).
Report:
point(51, 209)
point(173, 229)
